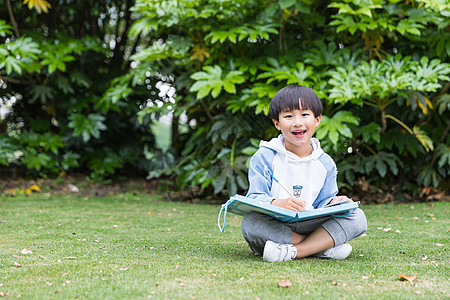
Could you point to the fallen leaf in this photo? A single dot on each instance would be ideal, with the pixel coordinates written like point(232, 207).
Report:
point(17, 265)
point(285, 283)
point(70, 257)
point(407, 278)
point(365, 277)
point(10, 192)
point(123, 269)
point(387, 229)
point(439, 245)
point(399, 218)
point(430, 215)
point(26, 251)
point(2, 294)
point(149, 212)
point(35, 188)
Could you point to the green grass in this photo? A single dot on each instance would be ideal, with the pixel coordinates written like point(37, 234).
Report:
point(136, 247)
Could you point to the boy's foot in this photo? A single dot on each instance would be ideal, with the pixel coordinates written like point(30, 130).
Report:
point(338, 252)
point(278, 252)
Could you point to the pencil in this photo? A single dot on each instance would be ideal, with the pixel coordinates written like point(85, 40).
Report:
point(290, 194)
point(343, 201)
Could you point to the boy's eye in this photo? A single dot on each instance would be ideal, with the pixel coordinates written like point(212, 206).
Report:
point(288, 116)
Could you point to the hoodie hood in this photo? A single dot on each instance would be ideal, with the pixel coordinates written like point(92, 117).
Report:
point(277, 144)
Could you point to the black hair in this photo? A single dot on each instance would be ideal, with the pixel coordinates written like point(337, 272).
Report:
point(291, 97)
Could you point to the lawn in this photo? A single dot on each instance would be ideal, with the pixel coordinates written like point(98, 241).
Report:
point(138, 247)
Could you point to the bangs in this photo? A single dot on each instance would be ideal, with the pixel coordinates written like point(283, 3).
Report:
point(295, 97)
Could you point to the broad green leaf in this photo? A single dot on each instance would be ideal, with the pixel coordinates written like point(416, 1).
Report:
point(219, 183)
point(70, 160)
point(381, 167)
point(371, 132)
point(443, 153)
point(56, 61)
point(25, 47)
point(11, 63)
point(87, 126)
point(423, 138)
point(42, 92)
point(212, 81)
point(5, 29)
point(333, 128)
point(428, 176)
point(286, 3)
point(443, 103)
point(8, 148)
point(34, 160)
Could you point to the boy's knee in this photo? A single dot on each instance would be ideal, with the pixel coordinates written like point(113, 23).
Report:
point(360, 221)
point(247, 223)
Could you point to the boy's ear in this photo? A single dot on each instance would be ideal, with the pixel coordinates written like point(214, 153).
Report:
point(318, 120)
point(276, 123)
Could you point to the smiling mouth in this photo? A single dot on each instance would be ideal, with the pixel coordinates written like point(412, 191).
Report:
point(298, 133)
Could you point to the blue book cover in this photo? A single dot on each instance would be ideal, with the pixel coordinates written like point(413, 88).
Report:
point(241, 205)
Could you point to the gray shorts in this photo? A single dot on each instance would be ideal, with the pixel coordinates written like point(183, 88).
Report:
point(258, 228)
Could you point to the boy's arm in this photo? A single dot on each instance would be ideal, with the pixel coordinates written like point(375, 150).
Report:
point(259, 177)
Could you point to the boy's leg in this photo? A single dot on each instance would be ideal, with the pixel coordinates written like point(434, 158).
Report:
point(310, 237)
point(258, 228)
point(318, 240)
point(328, 232)
point(344, 229)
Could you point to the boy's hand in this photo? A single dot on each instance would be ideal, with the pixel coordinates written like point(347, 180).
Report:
point(339, 199)
point(290, 203)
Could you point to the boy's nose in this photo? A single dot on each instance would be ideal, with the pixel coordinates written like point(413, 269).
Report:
point(298, 121)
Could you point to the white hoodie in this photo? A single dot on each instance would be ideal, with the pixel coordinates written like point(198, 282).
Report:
point(316, 173)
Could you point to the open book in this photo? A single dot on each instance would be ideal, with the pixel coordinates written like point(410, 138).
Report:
point(241, 205)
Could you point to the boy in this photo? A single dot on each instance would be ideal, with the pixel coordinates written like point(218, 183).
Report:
point(296, 159)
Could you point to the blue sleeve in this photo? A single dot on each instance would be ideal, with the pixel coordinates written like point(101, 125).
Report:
point(260, 175)
point(329, 189)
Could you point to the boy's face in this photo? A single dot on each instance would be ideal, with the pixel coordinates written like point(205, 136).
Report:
point(298, 127)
